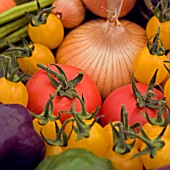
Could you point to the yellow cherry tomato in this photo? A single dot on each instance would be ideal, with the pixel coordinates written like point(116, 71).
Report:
point(152, 27)
point(152, 131)
point(13, 92)
point(49, 132)
point(40, 54)
point(167, 92)
point(125, 161)
point(161, 158)
point(97, 142)
point(50, 34)
point(145, 65)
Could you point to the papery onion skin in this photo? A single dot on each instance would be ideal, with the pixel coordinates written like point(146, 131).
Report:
point(71, 12)
point(104, 51)
point(99, 7)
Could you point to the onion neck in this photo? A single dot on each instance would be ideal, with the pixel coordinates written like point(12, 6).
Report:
point(114, 8)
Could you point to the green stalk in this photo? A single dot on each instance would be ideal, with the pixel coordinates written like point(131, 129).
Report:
point(13, 26)
point(14, 37)
point(18, 11)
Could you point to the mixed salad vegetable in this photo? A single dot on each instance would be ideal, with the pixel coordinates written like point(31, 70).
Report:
point(55, 115)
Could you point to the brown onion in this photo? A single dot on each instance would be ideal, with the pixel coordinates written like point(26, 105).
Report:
point(104, 49)
point(71, 12)
point(99, 7)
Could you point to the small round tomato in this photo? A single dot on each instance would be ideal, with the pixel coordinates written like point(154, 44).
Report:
point(124, 95)
point(49, 132)
point(167, 92)
point(13, 92)
point(125, 161)
point(152, 27)
point(97, 142)
point(152, 131)
point(161, 158)
point(40, 54)
point(40, 88)
point(145, 64)
point(51, 33)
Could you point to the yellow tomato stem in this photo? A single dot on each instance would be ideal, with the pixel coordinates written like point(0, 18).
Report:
point(61, 137)
point(41, 17)
point(161, 11)
point(147, 99)
point(10, 68)
point(159, 120)
point(125, 122)
point(82, 129)
point(167, 61)
point(83, 112)
point(124, 117)
point(152, 146)
point(19, 52)
point(67, 88)
point(120, 146)
point(154, 47)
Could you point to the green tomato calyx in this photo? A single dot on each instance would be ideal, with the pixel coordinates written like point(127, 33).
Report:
point(47, 113)
point(167, 61)
point(10, 69)
point(159, 120)
point(146, 100)
point(61, 137)
point(46, 116)
point(119, 137)
point(19, 52)
point(66, 87)
point(41, 17)
point(156, 46)
point(162, 11)
point(82, 129)
point(152, 145)
point(120, 146)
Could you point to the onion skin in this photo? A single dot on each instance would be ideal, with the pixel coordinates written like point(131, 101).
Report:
point(95, 6)
point(105, 51)
point(71, 12)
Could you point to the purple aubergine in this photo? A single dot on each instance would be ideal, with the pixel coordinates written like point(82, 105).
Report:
point(21, 148)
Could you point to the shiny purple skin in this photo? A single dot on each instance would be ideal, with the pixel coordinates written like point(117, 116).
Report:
point(21, 148)
point(167, 167)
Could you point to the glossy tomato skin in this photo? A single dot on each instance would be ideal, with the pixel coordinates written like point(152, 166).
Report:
point(145, 65)
point(112, 105)
point(167, 92)
point(125, 161)
point(50, 34)
point(49, 132)
point(152, 27)
point(97, 142)
point(13, 92)
point(41, 54)
point(39, 88)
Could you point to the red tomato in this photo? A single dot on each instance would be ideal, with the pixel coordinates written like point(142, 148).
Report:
point(39, 88)
point(112, 105)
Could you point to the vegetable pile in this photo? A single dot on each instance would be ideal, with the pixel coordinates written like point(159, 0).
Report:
point(84, 84)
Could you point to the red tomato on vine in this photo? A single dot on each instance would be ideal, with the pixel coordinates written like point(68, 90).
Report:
point(40, 87)
point(124, 96)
